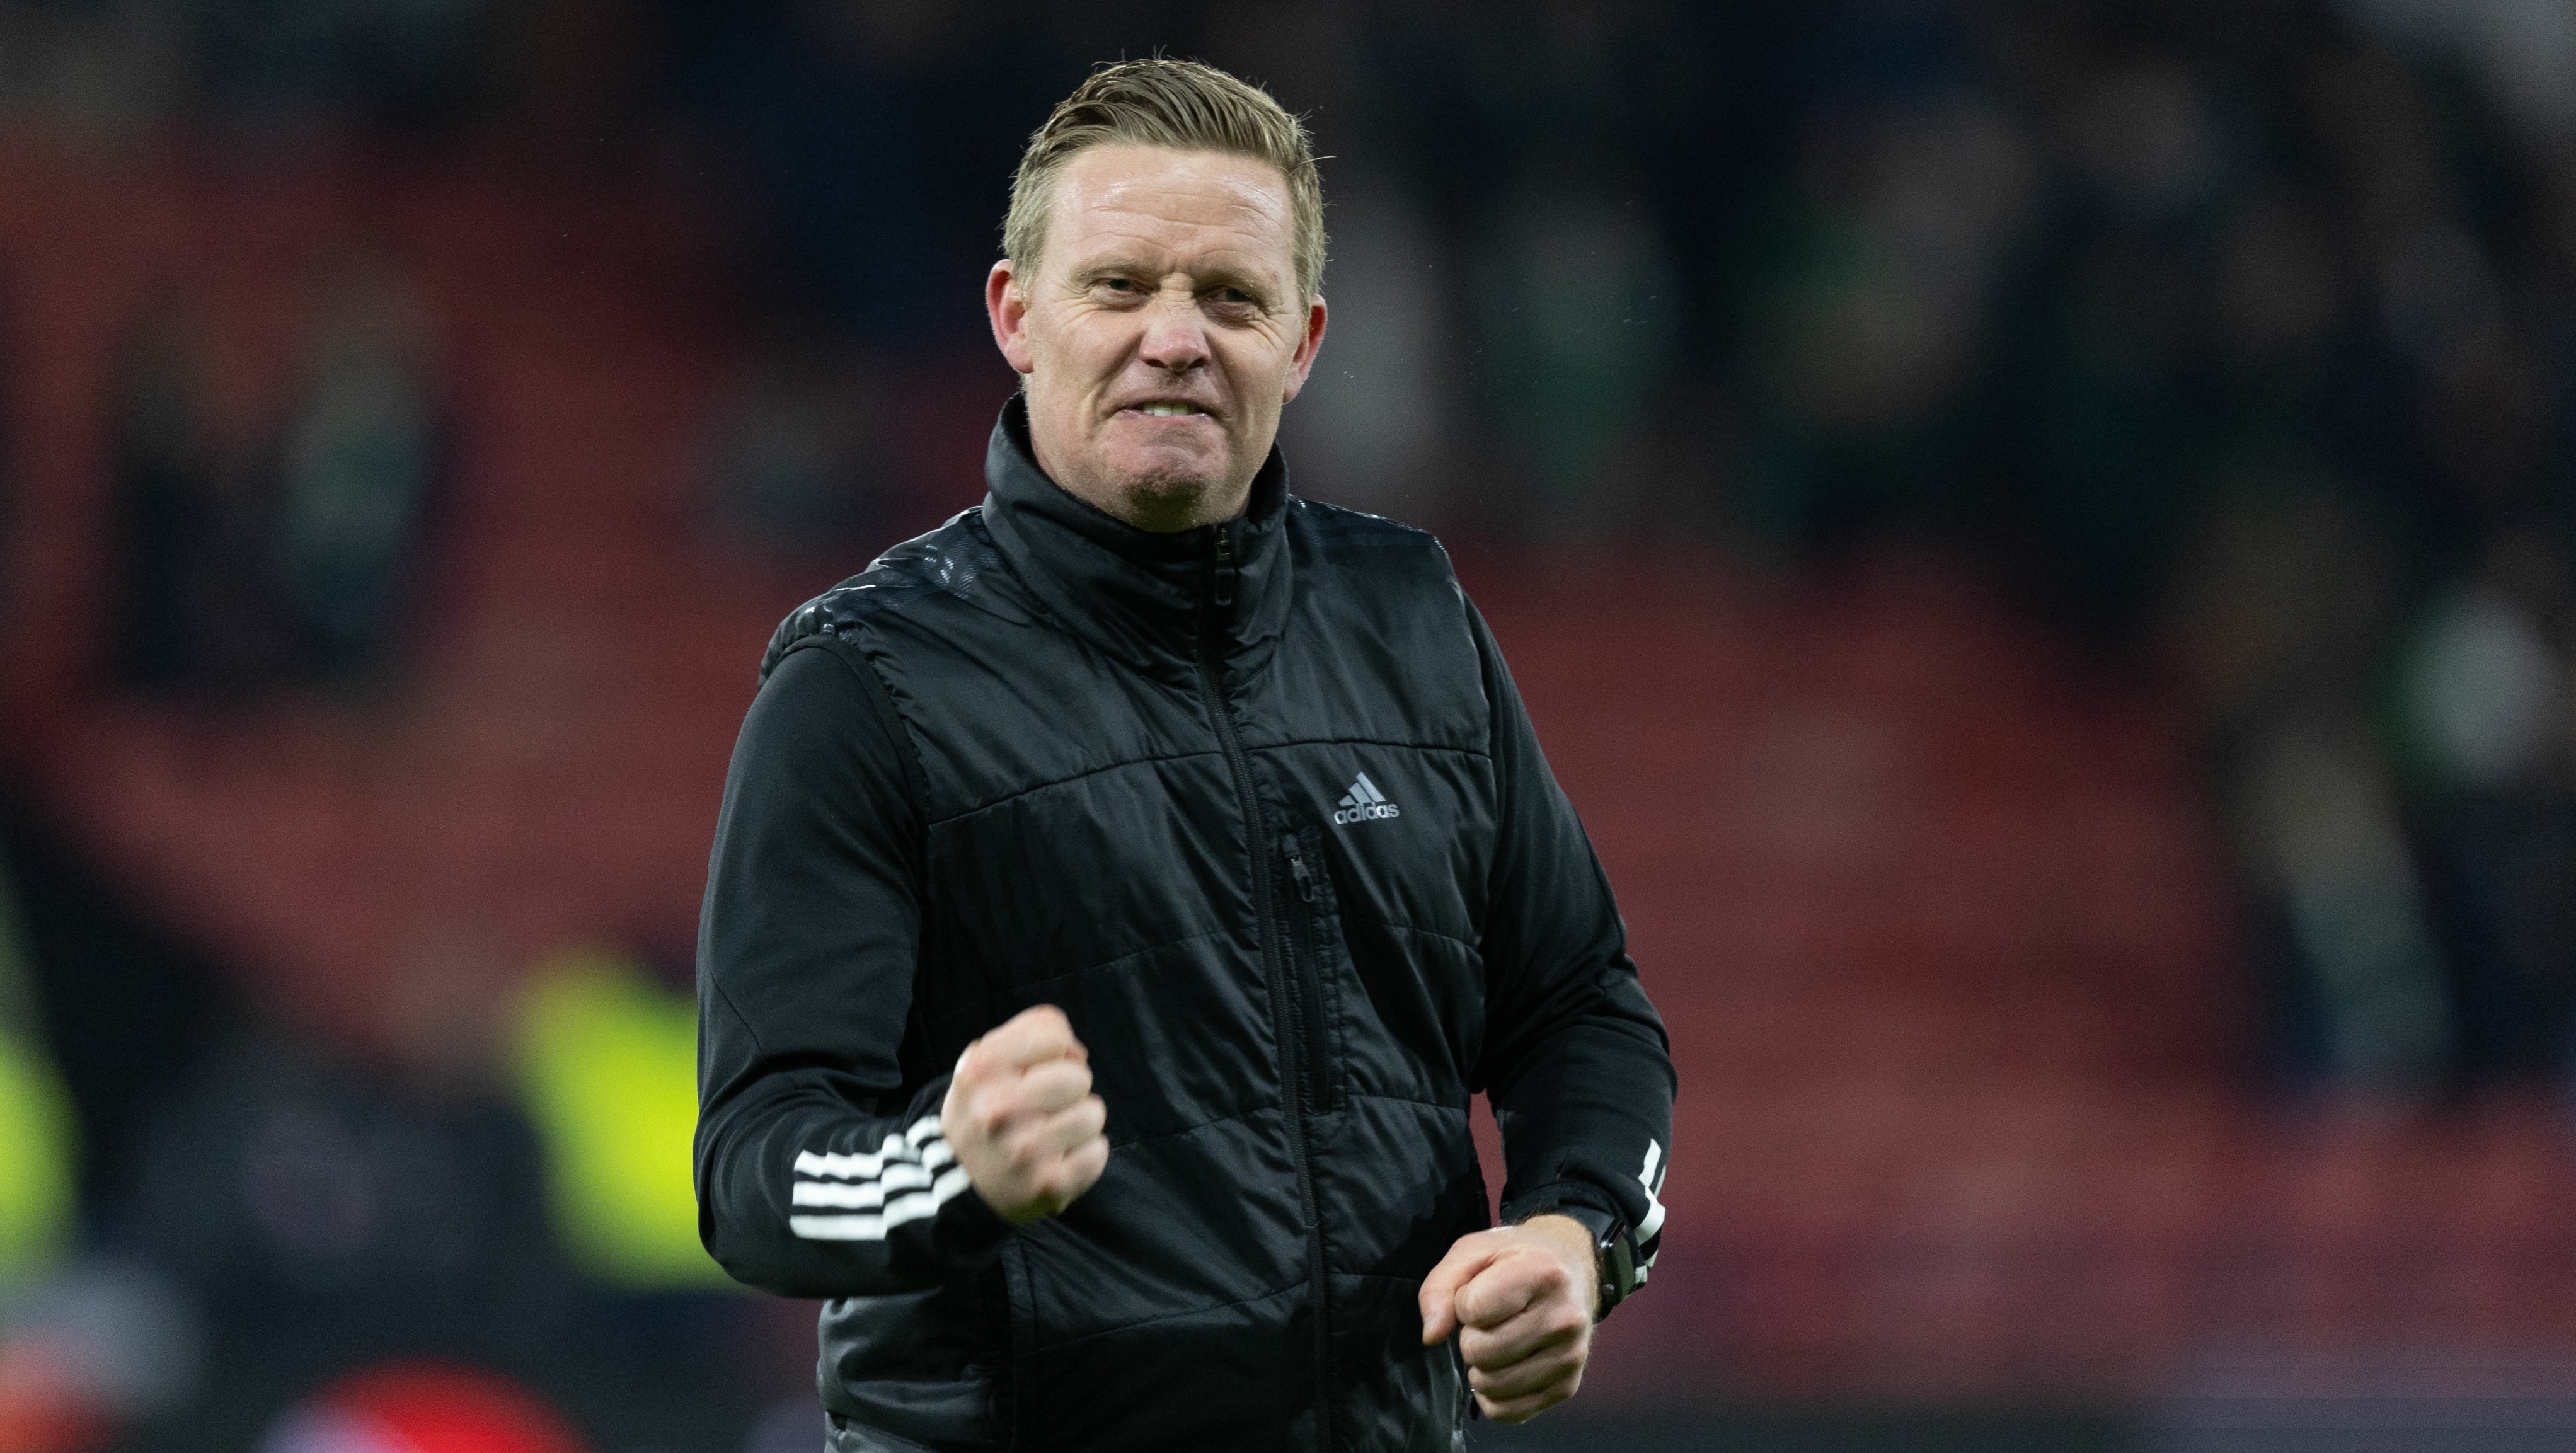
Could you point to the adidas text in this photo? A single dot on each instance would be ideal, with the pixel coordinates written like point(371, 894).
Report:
point(1364, 803)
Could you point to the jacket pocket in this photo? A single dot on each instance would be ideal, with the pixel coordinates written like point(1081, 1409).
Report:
point(1314, 949)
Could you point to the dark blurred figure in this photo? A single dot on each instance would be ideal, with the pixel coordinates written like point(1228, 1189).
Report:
point(100, 1011)
point(198, 609)
point(2487, 739)
point(1900, 186)
point(256, 555)
point(124, 1003)
point(2279, 619)
point(356, 471)
point(325, 1210)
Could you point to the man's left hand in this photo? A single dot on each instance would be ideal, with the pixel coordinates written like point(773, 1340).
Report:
point(1520, 1299)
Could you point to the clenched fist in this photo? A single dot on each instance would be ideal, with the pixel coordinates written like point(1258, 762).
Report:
point(1520, 1299)
point(1021, 1118)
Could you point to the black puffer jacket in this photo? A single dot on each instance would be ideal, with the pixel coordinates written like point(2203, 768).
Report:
point(1258, 807)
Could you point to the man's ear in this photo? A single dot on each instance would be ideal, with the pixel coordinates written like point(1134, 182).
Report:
point(1304, 362)
point(1008, 308)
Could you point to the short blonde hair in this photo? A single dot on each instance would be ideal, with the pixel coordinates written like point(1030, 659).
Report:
point(1182, 105)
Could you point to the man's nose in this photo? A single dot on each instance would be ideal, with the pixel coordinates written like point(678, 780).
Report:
point(1175, 333)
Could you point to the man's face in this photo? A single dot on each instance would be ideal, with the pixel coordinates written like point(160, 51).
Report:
point(1162, 332)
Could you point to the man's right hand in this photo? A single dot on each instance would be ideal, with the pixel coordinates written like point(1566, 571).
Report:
point(1021, 1118)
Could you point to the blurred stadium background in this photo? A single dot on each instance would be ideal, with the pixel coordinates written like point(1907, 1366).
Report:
point(2037, 534)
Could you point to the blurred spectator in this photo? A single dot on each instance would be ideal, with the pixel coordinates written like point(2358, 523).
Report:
point(1577, 320)
point(358, 466)
point(252, 561)
point(1875, 320)
point(2281, 610)
point(38, 1141)
point(2321, 833)
point(323, 1210)
point(198, 609)
point(607, 1061)
point(124, 1006)
point(2486, 722)
point(90, 1343)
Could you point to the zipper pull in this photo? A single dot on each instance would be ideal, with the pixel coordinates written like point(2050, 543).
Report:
point(1225, 564)
point(1297, 866)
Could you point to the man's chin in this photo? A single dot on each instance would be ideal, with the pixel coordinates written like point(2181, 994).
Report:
point(1166, 502)
point(1174, 494)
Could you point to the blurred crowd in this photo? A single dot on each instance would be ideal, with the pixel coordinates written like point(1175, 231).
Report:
point(210, 1212)
point(2236, 341)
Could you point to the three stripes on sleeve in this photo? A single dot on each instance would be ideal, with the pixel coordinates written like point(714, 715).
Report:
point(908, 1178)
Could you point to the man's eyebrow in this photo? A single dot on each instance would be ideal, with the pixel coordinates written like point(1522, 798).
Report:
point(1212, 275)
point(1098, 268)
point(1231, 277)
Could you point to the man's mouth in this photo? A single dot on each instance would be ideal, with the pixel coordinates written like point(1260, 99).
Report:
point(1167, 409)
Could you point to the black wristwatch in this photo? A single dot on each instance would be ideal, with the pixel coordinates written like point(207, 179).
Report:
point(1614, 1251)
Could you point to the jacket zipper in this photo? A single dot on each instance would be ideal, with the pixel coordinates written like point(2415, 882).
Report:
point(1266, 922)
point(1308, 980)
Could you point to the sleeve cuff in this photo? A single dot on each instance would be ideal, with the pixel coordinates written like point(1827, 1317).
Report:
point(968, 1230)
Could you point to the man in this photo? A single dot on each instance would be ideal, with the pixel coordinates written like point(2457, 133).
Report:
point(1121, 890)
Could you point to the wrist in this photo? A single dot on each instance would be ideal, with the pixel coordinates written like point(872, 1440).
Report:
point(1610, 1257)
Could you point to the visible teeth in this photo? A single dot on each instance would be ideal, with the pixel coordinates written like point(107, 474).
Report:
point(1168, 411)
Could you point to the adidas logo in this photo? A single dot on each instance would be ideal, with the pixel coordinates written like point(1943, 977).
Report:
point(1364, 802)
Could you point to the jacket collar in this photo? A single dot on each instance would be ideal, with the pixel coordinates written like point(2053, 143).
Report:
point(1160, 602)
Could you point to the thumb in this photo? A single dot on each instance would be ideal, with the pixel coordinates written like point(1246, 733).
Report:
point(1439, 1297)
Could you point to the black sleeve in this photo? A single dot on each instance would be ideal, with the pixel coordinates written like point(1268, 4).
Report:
point(1575, 1058)
point(816, 1175)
